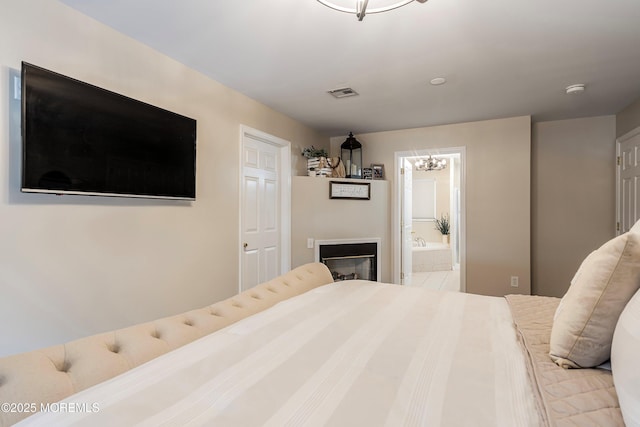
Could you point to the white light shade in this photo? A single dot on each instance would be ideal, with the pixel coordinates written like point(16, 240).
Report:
point(350, 6)
point(362, 7)
point(575, 89)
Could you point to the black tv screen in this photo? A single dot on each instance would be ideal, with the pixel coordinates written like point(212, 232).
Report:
point(80, 139)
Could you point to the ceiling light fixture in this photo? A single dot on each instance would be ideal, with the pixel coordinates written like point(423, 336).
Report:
point(575, 89)
point(430, 164)
point(361, 8)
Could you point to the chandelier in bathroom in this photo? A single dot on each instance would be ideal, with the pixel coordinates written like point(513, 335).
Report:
point(430, 164)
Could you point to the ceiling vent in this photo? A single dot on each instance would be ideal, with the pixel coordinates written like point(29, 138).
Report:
point(344, 92)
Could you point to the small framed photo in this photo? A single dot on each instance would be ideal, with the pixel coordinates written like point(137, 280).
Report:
point(367, 173)
point(378, 171)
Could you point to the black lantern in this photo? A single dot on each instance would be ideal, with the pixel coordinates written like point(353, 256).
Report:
point(351, 153)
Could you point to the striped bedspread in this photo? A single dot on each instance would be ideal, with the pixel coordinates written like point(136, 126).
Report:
point(351, 353)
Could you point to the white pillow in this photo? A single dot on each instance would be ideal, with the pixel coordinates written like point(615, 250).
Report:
point(625, 361)
point(586, 318)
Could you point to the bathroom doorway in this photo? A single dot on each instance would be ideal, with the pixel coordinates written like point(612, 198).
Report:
point(430, 194)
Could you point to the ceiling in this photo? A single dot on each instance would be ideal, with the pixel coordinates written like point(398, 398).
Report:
point(501, 58)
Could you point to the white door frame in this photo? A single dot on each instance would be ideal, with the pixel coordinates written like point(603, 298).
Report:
point(624, 138)
point(406, 214)
point(396, 214)
point(285, 195)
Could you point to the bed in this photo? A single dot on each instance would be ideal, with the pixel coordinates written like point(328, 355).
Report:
point(356, 353)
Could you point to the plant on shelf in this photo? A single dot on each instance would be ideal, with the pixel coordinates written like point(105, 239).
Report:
point(311, 152)
point(442, 225)
point(317, 161)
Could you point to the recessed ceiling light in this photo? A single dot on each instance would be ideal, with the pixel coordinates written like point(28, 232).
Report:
point(575, 89)
point(438, 81)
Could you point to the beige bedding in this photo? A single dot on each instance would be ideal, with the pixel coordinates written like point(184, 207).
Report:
point(566, 397)
point(353, 353)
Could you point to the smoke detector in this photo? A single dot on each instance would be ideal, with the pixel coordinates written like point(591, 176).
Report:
point(343, 92)
point(575, 89)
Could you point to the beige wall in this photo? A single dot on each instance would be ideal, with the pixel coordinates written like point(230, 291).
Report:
point(572, 197)
point(628, 119)
point(497, 192)
point(72, 266)
point(314, 215)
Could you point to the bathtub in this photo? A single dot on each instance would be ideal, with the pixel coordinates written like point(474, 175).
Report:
point(432, 257)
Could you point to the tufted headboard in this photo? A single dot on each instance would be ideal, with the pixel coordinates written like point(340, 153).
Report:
point(54, 373)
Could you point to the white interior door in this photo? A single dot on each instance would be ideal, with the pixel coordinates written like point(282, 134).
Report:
point(406, 223)
point(261, 252)
point(629, 180)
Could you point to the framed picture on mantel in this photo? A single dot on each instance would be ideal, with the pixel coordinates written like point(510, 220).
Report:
point(378, 171)
point(349, 190)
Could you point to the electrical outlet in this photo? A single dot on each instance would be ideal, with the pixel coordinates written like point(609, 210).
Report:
point(514, 281)
point(310, 243)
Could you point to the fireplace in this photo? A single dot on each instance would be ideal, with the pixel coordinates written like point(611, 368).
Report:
point(350, 258)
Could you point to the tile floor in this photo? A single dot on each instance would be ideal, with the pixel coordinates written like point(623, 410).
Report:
point(437, 280)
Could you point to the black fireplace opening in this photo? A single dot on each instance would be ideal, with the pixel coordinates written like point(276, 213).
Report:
point(348, 261)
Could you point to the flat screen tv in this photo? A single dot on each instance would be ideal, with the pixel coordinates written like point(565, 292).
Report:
point(80, 139)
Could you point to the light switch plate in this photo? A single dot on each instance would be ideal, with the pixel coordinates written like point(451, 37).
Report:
point(17, 88)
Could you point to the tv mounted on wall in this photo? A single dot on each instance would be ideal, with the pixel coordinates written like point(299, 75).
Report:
point(81, 139)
